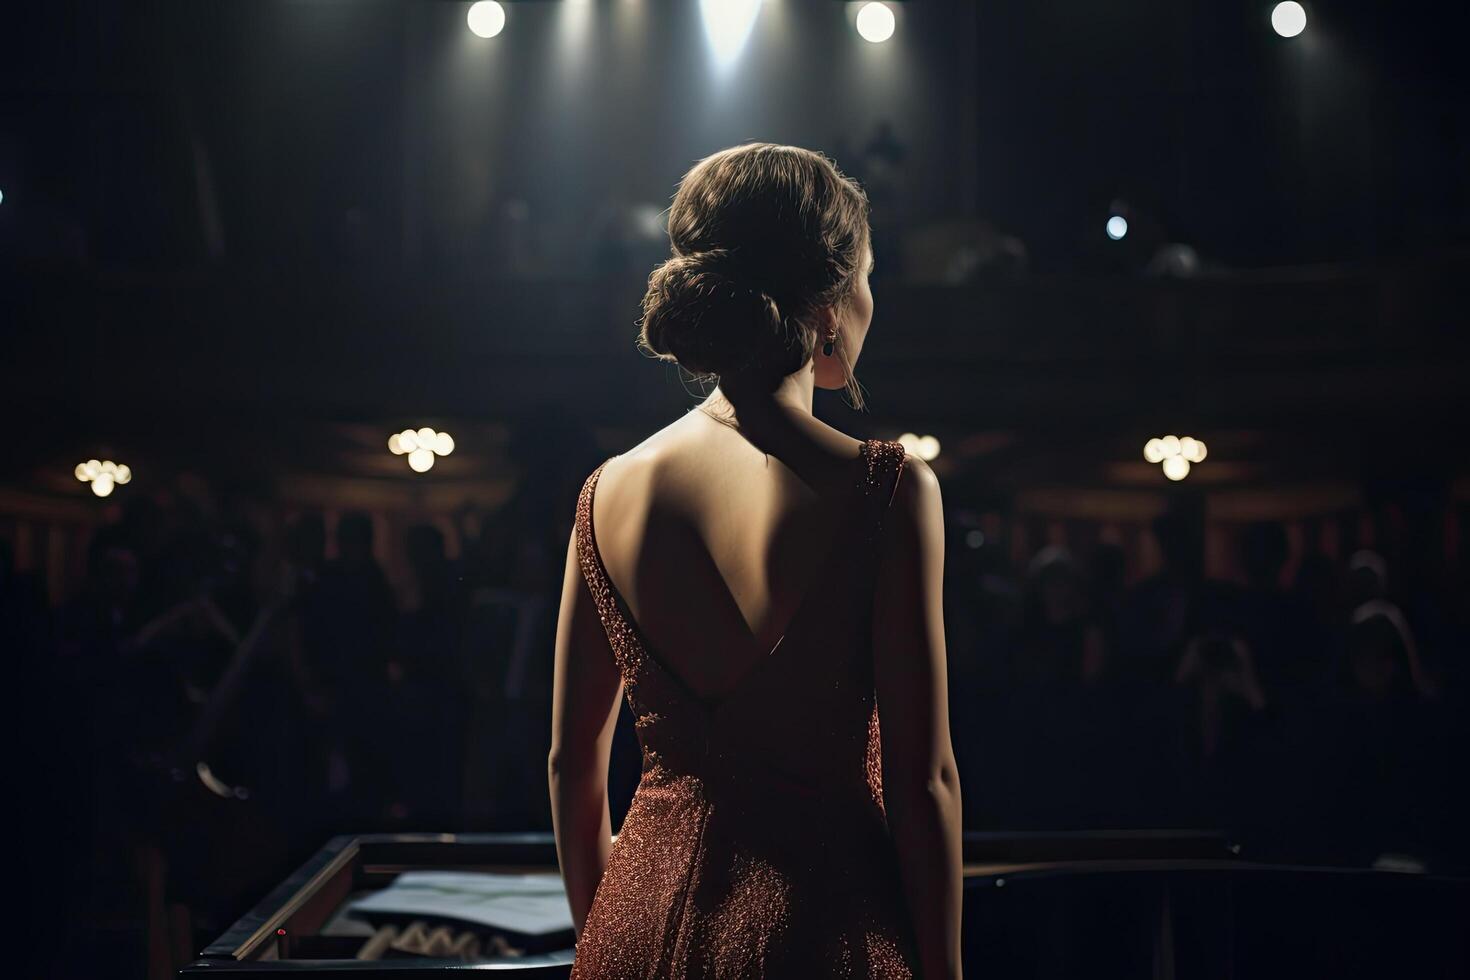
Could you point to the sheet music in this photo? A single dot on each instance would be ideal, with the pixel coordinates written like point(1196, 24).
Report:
point(535, 904)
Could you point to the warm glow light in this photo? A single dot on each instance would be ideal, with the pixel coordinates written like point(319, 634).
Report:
point(486, 18)
point(875, 22)
point(1117, 227)
point(1176, 467)
point(103, 474)
point(421, 446)
point(1289, 19)
point(924, 447)
point(1176, 453)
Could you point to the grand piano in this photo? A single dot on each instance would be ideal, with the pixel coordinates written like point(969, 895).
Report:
point(1136, 904)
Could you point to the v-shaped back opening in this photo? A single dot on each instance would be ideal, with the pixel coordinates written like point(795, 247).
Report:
point(646, 650)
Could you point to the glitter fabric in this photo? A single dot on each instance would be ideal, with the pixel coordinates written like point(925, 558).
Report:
point(756, 844)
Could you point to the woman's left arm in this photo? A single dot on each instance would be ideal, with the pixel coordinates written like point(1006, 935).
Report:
point(586, 690)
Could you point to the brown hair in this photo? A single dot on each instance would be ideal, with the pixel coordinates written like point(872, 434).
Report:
point(762, 235)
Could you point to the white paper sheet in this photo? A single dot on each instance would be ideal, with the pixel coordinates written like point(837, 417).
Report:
point(535, 904)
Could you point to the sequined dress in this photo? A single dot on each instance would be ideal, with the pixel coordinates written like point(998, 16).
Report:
point(756, 844)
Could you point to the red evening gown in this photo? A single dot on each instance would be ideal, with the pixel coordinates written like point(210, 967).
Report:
point(757, 844)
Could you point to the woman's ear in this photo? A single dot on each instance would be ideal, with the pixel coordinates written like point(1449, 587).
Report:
point(825, 321)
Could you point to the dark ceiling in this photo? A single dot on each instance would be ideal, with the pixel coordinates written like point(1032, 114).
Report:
point(231, 218)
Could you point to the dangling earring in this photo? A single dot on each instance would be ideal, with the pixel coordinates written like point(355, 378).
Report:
point(827, 347)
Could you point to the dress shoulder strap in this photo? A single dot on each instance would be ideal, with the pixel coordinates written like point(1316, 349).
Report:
point(879, 482)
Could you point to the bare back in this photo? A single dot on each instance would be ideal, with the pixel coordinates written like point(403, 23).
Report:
point(719, 550)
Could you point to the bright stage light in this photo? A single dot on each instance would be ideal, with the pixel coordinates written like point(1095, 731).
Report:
point(727, 25)
point(1176, 454)
point(1117, 227)
point(2, 197)
point(1289, 19)
point(103, 474)
point(486, 18)
point(875, 22)
point(421, 446)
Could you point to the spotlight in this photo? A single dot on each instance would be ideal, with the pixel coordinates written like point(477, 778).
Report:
point(103, 474)
point(1289, 19)
point(1176, 468)
point(2, 197)
point(421, 460)
point(1117, 227)
point(486, 18)
point(875, 22)
point(727, 25)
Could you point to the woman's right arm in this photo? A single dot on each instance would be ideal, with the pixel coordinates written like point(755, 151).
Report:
point(921, 786)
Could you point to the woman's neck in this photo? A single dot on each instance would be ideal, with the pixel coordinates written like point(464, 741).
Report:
point(759, 402)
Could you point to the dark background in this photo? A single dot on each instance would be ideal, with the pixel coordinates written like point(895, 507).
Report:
point(241, 243)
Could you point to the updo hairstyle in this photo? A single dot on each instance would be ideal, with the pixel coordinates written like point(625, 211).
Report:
point(762, 235)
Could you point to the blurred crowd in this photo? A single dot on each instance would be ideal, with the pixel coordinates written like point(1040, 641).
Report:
point(233, 684)
point(1311, 706)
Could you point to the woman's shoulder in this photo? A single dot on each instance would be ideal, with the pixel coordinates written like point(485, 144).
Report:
point(916, 488)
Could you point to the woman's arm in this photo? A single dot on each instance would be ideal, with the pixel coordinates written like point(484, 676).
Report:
point(921, 786)
point(585, 693)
